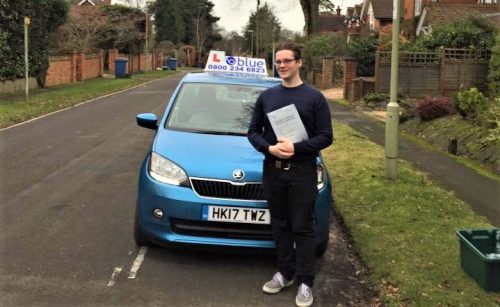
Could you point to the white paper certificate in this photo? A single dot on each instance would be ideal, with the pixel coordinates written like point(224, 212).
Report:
point(286, 123)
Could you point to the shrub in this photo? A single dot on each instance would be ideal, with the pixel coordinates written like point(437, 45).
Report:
point(490, 115)
point(470, 102)
point(472, 31)
point(363, 50)
point(494, 70)
point(433, 107)
point(376, 97)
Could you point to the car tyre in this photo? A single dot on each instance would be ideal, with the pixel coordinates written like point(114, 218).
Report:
point(139, 236)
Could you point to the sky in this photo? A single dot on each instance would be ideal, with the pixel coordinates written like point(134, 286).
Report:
point(234, 14)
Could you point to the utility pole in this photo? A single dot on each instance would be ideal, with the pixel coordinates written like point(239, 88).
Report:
point(27, 22)
point(146, 43)
point(257, 30)
point(392, 117)
point(251, 42)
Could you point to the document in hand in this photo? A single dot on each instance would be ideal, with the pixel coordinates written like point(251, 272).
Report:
point(286, 123)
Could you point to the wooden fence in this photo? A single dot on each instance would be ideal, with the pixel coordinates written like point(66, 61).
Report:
point(434, 73)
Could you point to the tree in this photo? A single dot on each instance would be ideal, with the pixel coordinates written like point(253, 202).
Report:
point(169, 21)
point(46, 16)
point(269, 29)
point(321, 46)
point(363, 51)
point(109, 26)
point(177, 20)
point(327, 6)
point(204, 23)
point(82, 32)
point(232, 42)
point(310, 8)
point(126, 29)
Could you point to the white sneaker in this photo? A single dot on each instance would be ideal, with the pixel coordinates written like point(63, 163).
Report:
point(304, 296)
point(276, 284)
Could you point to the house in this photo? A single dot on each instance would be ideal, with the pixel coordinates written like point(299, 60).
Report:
point(331, 23)
point(427, 13)
point(439, 14)
point(91, 2)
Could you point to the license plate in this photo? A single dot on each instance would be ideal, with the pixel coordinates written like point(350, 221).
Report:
point(236, 215)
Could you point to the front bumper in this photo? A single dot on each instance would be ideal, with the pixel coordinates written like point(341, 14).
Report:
point(182, 217)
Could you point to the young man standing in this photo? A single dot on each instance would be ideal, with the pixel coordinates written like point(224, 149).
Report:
point(290, 173)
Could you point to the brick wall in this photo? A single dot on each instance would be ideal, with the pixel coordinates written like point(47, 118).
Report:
point(327, 75)
point(350, 67)
point(92, 66)
point(74, 67)
point(61, 70)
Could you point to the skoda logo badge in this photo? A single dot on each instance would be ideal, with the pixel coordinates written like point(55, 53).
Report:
point(238, 174)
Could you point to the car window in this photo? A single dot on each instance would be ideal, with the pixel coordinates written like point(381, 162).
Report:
point(213, 108)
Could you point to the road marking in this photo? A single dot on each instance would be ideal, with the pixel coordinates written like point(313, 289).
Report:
point(116, 272)
point(137, 262)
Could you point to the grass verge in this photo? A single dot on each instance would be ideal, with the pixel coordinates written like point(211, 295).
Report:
point(405, 229)
point(15, 109)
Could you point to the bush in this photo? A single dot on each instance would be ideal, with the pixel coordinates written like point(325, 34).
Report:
point(363, 50)
point(494, 70)
point(376, 97)
point(490, 115)
point(433, 107)
point(472, 32)
point(470, 102)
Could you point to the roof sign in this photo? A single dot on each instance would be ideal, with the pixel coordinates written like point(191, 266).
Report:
point(219, 62)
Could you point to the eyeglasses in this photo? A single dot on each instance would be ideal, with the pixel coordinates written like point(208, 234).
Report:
point(285, 61)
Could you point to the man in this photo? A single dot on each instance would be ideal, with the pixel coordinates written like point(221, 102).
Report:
point(290, 173)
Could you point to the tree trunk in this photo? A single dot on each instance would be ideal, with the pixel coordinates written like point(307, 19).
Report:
point(310, 8)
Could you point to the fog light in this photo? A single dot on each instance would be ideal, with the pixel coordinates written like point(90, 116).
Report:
point(158, 213)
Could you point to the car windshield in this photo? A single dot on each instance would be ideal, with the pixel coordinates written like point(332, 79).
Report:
point(213, 108)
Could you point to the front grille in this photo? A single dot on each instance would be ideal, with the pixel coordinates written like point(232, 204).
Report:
point(221, 229)
point(227, 190)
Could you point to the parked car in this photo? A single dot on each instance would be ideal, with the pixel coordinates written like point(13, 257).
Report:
point(201, 181)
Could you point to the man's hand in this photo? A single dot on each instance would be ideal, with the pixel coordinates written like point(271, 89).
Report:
point(283, 149)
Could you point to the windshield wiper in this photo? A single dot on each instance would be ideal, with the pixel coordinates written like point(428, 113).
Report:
point(221, 133)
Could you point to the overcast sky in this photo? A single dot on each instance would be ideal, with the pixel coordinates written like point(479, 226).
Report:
point(234, 14)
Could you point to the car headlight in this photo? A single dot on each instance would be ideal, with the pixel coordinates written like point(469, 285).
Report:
point(321, 176)
point(166, 171)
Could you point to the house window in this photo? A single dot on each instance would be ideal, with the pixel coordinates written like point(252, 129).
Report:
point(418, 7)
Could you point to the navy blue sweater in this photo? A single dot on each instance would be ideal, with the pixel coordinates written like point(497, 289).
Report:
point(313, 111)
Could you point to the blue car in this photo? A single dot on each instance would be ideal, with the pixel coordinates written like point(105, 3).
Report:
point(201, 182)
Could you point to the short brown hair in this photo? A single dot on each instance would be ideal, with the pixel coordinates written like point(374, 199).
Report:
point(297, 54)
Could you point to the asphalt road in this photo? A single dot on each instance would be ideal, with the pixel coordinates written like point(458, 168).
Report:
point(68, 187)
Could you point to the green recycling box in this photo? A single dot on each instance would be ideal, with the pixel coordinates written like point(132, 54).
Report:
point(480, 256)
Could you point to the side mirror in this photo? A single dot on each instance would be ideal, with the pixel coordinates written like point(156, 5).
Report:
point(147, 120)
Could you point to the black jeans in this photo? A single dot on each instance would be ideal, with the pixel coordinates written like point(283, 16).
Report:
point(291, 196)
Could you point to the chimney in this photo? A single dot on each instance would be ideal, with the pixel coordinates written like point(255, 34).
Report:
point(338, 10)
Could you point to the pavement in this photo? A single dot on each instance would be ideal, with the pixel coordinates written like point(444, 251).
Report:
point(480, 192)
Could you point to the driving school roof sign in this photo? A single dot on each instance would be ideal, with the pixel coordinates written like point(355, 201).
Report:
point(219, 62)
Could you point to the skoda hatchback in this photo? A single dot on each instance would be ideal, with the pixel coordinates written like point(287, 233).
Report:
point(201, 182)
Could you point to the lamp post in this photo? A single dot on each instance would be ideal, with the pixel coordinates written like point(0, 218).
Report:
point(392, 117)
point(251, 42)
point(146, 42)
point(27, 22)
